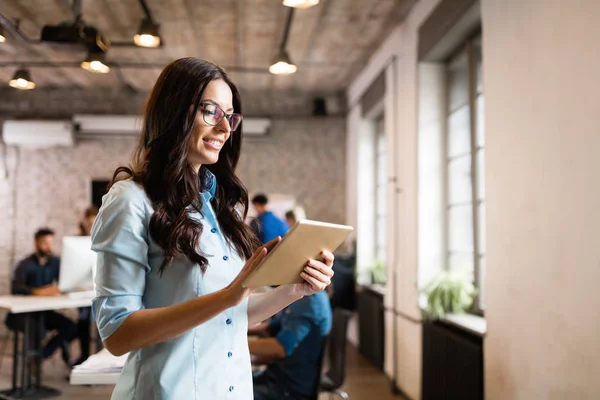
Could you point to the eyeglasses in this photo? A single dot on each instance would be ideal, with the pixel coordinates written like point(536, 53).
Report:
point(213, 115)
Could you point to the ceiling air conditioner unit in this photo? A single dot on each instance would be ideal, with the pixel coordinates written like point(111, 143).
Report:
point(38, 133)
point(108, 125)
point(256, 126)
point(131, 125)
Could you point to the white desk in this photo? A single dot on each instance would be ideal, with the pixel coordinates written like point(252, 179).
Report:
point(94, 378)
point(100, 369)
point(104, 369)
point(25, 304)
point(31, 308)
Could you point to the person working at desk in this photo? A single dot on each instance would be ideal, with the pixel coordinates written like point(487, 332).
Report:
point(290, 218)
point(37, 275)
point(293, 350)
point(267, 226)
point(174, 251)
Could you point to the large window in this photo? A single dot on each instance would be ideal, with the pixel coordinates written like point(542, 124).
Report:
point(380, 190)
point(465, 160)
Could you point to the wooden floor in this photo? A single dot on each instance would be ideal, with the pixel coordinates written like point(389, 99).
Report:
point(363, 381)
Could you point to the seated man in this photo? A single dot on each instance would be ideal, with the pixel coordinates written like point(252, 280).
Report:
point(290, 218)
point(36, 275)
point(293, 350)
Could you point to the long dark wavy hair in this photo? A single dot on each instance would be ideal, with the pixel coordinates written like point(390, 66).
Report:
point(160, 165)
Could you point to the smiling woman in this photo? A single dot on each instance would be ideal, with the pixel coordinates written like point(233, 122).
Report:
point(173, 250)
point(206, 144)
point(177, 140)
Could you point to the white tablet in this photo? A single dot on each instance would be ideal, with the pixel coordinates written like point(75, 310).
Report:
point(304, 241)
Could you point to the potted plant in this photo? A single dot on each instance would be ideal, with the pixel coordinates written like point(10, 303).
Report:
point(448, 293)
point(378, 273)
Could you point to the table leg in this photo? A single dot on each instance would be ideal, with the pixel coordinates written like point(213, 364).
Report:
point(32, 351)
point(29, 354)
point(19, 360)
point(15, 366)
point(24, 349)
point(38, 391)
point(39, 352)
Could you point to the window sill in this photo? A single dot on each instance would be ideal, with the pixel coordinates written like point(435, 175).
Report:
point(376, 287)
point(469, 322)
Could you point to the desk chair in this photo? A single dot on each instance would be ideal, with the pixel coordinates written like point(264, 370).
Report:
point(333, 379)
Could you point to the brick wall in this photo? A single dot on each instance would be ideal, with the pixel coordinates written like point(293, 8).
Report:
point(304, 157)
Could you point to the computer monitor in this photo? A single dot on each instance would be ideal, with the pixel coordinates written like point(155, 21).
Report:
point(77, 264)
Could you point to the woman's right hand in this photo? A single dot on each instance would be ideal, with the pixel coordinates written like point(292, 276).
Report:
point(236, 289)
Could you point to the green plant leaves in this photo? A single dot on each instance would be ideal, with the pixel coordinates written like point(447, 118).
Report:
point(448, 293)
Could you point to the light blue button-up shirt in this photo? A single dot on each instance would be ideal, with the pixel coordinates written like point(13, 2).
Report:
point(212, 360)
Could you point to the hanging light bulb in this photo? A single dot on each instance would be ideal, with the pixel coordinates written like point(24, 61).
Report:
point(300, 3)
point(2, 35)
point(282, 65)
point(147, 35)
point(22, 80)
point(94, 62)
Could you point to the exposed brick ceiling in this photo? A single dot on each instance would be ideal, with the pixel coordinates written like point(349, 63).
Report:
point(329, 43)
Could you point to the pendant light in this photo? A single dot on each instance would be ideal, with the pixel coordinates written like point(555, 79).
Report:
point(22, 80)
point(282, 64)
point(147, 35)
point(300, 3)
point(94, 62)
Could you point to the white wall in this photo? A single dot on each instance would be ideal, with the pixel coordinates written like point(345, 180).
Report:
point(397, 57)
point(541, 65)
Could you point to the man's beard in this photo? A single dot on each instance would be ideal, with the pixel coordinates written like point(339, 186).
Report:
point(43, 254)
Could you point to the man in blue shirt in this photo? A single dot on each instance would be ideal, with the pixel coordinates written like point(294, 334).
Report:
point(266, 225)
point(293, 349)
point(37, 275)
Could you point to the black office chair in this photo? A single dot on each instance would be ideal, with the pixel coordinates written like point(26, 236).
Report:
point(343, 283)
point(333, 379)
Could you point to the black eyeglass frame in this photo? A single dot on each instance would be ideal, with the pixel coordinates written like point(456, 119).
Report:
point(225, 115)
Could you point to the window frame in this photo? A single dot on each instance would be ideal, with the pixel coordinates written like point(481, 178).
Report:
point(471, 49)
point(380, 185)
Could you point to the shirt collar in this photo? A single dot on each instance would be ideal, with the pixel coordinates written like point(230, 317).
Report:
point(208, 184)
point(35, 259)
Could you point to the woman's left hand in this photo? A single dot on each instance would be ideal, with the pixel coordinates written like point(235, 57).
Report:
point(317, 275)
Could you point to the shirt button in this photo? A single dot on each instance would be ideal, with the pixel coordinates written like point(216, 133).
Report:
point(231, 388)
point(214, 230)
point(225, 258)
point(229, 354)
point(228, 321)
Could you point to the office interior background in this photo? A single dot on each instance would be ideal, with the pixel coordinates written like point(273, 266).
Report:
point(456, 136)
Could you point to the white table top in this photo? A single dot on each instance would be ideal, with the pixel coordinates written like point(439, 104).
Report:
point(103, 368)
point(94, 378)
point(18, 304)
point(100, 369)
